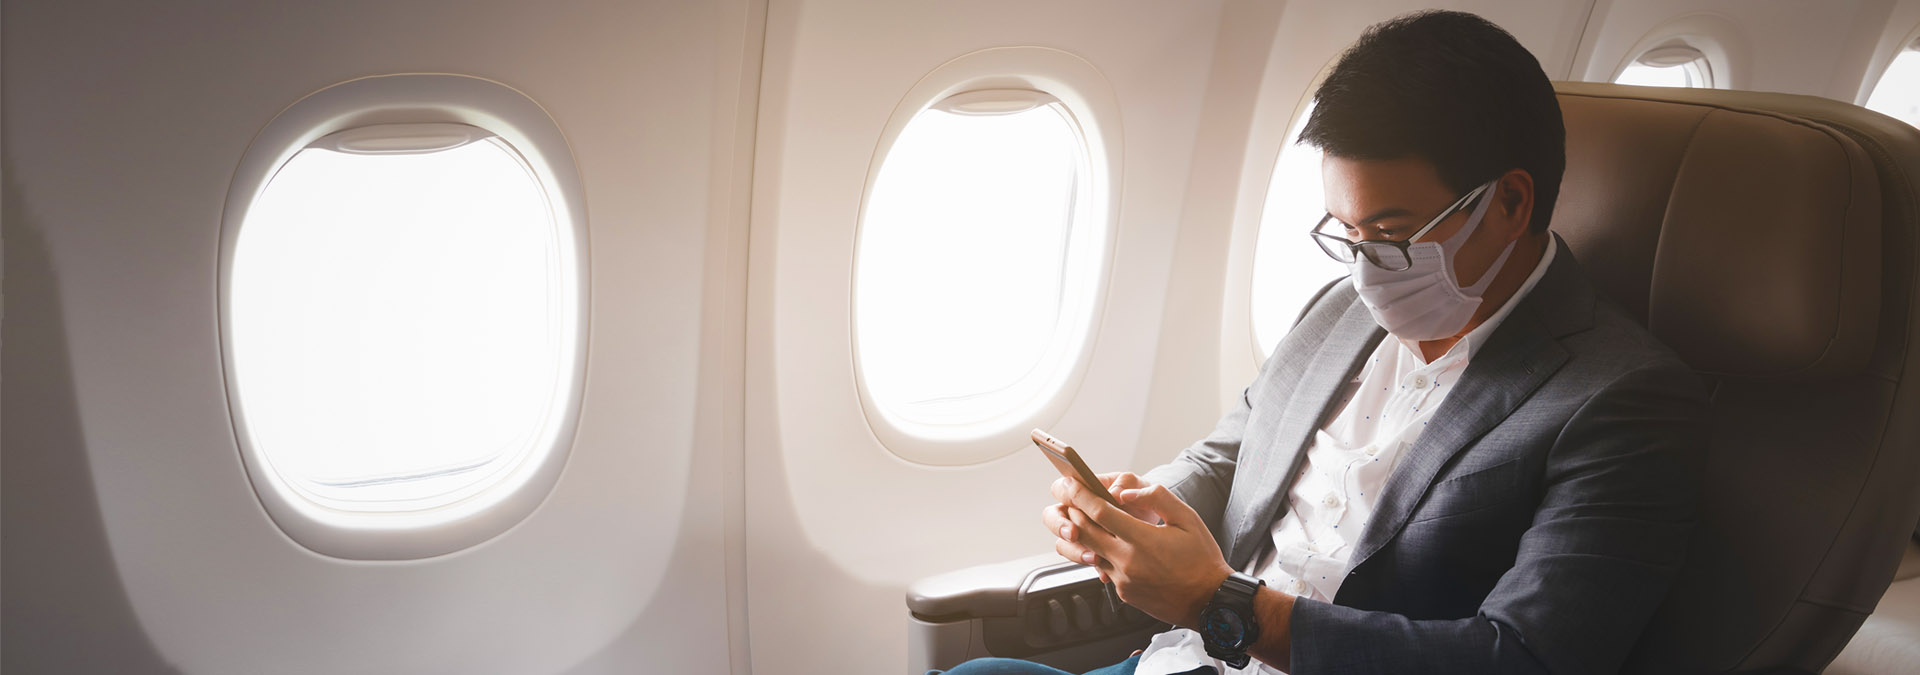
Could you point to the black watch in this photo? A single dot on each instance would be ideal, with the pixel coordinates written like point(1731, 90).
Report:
point(1227, 624)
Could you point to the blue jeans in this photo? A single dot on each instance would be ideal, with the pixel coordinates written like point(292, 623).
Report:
point(1000, 666)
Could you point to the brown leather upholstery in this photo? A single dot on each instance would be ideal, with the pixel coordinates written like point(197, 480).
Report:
point(1770, 239)
point(1773, 268)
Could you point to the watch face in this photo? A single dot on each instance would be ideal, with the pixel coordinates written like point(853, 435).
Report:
point(1222, 626)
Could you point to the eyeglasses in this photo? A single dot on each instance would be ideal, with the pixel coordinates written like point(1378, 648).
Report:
point(1384, 253)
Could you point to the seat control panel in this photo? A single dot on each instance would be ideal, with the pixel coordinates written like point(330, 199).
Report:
point(1060, 606)
point(1039, 608)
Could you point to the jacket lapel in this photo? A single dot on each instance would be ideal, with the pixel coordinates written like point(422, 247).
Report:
point(1520, 355)
point(1335, 362)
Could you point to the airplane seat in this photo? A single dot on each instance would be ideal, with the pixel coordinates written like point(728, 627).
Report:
point(1770, 239)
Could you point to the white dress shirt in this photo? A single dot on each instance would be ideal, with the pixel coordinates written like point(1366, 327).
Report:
point(1348, 463)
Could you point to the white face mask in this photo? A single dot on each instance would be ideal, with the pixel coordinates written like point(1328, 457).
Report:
point(1423, 302)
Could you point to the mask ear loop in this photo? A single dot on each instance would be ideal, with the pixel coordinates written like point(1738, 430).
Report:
point(1458, 239)
point(1484, 200)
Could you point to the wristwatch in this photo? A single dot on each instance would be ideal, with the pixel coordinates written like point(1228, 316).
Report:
point(1227, 624)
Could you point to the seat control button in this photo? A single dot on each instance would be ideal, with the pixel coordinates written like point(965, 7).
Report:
point(1056, 618)
point(1036, 619)
point(1082, 613)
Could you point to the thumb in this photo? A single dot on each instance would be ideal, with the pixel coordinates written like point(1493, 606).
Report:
point(1162, 501)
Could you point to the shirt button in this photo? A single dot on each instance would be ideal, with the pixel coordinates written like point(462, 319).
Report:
point(1296, 587)
point(1373, 450)
point(1420, 381)
point(1331, 500)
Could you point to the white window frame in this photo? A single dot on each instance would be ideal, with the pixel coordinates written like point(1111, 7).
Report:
point(1289, 142)
point(1085, 94)
point(1676, 54)
point(1910, 43)
point(400, 100)
point(1712, 36)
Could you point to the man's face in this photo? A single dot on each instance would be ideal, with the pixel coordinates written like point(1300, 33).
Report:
point(1391, 199)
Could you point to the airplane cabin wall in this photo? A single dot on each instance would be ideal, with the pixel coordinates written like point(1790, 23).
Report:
point(1892, 33)
point(134, 541)
point(1789, 46)
point(725, 504)
point(837, 525)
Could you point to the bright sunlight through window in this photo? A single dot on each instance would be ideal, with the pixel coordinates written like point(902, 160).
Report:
point(1670, 66)
point(1898, 92)
point(978, 261)
point(1287, 267)
point(403, 320)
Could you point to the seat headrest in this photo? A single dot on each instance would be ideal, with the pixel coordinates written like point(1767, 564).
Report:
point(1747, 240)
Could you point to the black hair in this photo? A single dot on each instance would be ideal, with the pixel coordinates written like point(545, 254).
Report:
point(1450, 88)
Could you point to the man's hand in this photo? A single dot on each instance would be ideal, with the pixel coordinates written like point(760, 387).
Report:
point(1066, 522)
point(1114, 482)
point(1169, 571)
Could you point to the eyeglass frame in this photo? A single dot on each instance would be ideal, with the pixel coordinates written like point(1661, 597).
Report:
point(1355, 252)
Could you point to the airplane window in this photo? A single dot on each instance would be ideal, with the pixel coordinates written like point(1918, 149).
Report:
point(1670, 66)
point(403, 320)
point(977, 264)
point(1287, 268)
point(1898, 92)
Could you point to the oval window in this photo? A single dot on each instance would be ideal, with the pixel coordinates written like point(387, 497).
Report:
point(403, 323)
point(1287, 267)
point(978, 264)
point(1897, 94)
point(1672, 65)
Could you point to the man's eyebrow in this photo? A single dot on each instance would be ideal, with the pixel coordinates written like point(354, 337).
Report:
point(1383, 214)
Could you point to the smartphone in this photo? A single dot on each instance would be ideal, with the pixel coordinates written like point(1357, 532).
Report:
point(1068, 463)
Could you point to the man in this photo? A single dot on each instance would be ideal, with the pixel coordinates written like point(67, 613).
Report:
point(1460, 459)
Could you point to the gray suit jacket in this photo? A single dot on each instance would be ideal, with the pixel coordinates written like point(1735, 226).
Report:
point(1534, 526)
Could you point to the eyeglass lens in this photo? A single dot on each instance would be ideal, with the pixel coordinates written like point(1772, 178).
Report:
point(1384, 255)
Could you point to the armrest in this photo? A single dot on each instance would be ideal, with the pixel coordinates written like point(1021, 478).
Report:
point(992, 590)
point(1038, 607)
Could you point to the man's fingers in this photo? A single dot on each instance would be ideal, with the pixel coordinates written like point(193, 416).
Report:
point(1054, 517)
point(1071, 492)
point(1121, 480)
point(1073, 552)
point(1162, 501)
point(1067, 550)
point(1145, 515)
point(1069, 523)
point(1115, 520)
point(1101, 511)
point(1127, 480)
point(1106, 569)
point(1079, 555)
point(1088, 533)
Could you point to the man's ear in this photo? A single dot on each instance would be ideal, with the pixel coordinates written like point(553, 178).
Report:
point(1513, 199)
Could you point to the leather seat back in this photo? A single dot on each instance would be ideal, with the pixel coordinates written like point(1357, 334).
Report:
point(1770, 239)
